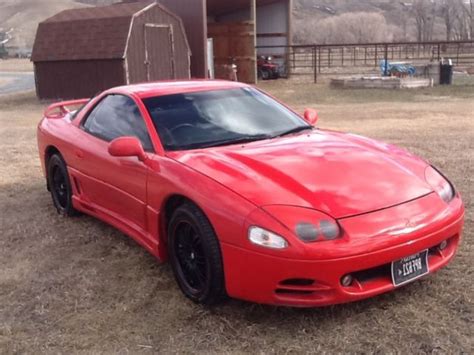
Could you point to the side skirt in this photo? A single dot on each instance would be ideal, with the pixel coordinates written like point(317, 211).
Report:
point(141, 236)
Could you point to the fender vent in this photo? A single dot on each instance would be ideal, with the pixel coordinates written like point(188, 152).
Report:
point(299, 287)
point(76, 184)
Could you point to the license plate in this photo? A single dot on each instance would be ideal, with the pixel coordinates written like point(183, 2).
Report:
point(410, 268)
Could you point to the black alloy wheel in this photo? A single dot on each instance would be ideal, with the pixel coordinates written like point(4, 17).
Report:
point(191, 258)
point(195, 255)
point(60, 186)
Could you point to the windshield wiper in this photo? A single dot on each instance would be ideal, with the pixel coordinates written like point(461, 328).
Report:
point(294, 130)
point(243, 139)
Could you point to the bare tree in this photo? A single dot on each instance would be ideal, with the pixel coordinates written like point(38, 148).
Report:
point(448, 12)
point(457, 16)
point(403, 21)
point(424, 12)
point(471, 19)
point(355, 27)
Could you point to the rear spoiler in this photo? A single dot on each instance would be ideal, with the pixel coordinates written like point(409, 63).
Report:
point(61, 109)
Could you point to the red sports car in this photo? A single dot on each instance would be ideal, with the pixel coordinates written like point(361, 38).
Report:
point(245, 197)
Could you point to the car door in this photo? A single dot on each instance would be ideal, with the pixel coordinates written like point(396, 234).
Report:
point(114, 185)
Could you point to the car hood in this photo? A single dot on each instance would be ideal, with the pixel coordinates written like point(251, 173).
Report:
point(340, 174)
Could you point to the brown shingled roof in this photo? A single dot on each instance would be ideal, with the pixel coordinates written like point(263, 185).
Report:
point(88, 33)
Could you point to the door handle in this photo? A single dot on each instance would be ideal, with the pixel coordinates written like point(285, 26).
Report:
point(78, 153)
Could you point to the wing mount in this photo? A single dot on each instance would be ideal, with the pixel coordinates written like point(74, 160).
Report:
point(61, 109)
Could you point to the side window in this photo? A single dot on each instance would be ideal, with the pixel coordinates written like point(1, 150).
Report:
point(117, 116)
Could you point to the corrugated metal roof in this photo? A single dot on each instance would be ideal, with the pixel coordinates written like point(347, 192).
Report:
point(220, 7)
point(89, 33)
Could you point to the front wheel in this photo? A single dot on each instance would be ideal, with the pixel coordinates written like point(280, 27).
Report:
point(265, 74)
point(195, 255)
point(60, 186)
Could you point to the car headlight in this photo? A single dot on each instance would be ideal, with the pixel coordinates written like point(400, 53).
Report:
point(307, 224)
point(439, 183)
point(266, 238)
point(324, 229)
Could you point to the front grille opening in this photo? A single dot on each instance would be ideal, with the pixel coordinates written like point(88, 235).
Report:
point(282, 291)
point(297, 282)
point(373, 273)
point(385, 271)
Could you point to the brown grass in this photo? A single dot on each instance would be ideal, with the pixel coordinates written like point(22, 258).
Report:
point(78, 285)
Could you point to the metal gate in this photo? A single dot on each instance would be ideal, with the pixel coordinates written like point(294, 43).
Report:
point(159, 52)
point(364, 58)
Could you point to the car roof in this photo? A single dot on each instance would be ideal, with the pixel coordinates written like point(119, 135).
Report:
point(161, 88)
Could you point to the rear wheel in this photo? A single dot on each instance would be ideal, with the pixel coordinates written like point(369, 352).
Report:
point(195, 255)
point(60, 186)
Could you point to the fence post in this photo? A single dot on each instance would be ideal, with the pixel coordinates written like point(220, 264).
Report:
point(375, 56)
point(457, 53)
point(439, 52)
point(315, 68)
point(319, 59)
point(385, 69)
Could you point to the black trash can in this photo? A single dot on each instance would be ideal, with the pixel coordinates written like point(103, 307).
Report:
point(445, 74)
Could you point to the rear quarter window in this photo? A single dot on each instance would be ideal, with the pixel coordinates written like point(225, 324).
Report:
point(117, 116)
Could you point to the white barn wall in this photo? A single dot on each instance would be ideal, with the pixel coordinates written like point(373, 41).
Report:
point(273, 18)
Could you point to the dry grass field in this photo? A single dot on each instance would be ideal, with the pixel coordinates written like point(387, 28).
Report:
point(16, 65)
point(80, 286)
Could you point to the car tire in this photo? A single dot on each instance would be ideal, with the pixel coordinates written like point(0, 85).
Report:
point(266, 75)
point(60, 186)
point(195, 255)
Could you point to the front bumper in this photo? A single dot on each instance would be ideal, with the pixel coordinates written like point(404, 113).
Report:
point(258, 277)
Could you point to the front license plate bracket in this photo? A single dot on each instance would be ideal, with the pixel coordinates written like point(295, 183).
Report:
point(410, 268)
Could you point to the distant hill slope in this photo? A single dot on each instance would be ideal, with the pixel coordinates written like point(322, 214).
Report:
point(397, 14)
point(98, 2)
point(24, 15)
point(331, 7)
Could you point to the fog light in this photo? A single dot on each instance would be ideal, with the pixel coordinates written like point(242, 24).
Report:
point(346, 280)
point(443, 245)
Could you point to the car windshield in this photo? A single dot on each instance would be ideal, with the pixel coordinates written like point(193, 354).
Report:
point(219, 117)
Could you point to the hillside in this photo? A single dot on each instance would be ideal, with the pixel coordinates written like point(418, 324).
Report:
point(312, 19)
point(24, 15)
point(311, 16)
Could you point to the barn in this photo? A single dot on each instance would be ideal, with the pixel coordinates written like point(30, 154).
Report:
point(80, 52)
point(219, 30)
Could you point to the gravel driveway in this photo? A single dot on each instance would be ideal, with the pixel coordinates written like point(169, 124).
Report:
point(15, 82)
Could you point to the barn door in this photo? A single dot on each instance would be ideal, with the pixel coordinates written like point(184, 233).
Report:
point(159, 52)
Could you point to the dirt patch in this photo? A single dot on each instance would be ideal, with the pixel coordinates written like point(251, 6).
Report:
point(78, 285)
point(5, 81)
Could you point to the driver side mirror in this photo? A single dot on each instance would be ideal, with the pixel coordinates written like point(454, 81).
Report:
point(127, 147)
point(311, 116)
